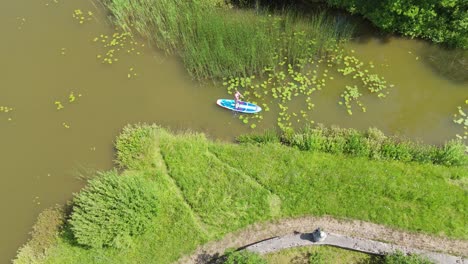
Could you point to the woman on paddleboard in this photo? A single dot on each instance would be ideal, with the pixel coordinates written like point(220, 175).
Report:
point(238, 95)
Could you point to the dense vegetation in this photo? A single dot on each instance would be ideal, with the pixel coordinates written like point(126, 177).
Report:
point(112, 209)
point(442, 21)
point(196, 190)
point(372, 144)
point(215, 42)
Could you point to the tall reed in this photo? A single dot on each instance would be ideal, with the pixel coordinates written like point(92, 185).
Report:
point(216, 42)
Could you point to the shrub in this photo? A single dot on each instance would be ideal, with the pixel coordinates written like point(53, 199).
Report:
point(396, 150)
point(400, 258)
point(135, 146)
point(375, 139)
point(112, 208)
point(314, 139)
point(356, 144)
point(243, 257)
point(336, 141)
point(440, 21)
point(453, 153)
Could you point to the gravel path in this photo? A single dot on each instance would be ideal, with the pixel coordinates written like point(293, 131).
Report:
point(361, 245)
point(350, 228)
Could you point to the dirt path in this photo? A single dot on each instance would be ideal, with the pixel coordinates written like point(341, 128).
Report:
point(351, 228)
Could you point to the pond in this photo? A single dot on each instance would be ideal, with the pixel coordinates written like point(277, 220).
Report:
point(68, 103)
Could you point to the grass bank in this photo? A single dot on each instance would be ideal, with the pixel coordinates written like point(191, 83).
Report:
point(206, 189)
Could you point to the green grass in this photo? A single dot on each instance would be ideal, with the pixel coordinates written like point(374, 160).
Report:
point(408, 196)
point(301, 255)
point(225, 198)
point(174, 231)
point(207, 189)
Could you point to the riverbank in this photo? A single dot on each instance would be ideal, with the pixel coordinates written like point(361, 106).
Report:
point(207, 189)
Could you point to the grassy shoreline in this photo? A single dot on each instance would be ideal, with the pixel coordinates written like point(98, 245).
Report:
point(208, 189)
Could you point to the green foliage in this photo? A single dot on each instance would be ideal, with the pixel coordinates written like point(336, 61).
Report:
point(453, 153)
point(316, 255)
point(394, 150)
point(44, 236)
point(356, 144)
point(135, 146)
point(268, 136)
point(401, 258)
point(112, 209)
point(216, 42)
point(375, 145)
point(243, 257)
point(316, 258)
point(443, 21)
point(224, 197)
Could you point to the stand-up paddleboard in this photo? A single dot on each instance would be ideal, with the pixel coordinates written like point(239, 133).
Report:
point(243, 107)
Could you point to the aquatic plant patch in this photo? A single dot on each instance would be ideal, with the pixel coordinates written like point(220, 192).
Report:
point(286, 85)
point(82, 16)
point(6, 110)
point(112, 209)
point(461, 118)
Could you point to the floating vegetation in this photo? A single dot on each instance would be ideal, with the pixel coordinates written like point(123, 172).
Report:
point(82, 16)
point(6, 109)
point(53, 2)
point(71, 98)
point(21, 22)
point(351, 94)
point(131, 73)
point(117, 44)
point(349, 65)
point(461, 118)
point(59, 105)
point(289, 85)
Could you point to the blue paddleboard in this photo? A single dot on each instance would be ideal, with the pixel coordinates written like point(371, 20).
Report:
point(243, 107)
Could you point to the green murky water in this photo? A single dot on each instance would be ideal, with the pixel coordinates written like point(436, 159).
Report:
point(47, 55)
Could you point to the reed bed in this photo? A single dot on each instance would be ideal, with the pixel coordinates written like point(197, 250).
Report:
point(218, 42)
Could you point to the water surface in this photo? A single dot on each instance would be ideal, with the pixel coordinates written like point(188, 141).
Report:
point(41, 158)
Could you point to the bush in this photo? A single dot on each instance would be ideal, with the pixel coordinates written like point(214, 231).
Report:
point(243, 257)
point(423, 153)
point(452, 154)
point(396, 150)
point(135, 146)
point(112, 208)
point(375, 139)
point(44, 235)
point(356, 144)
point(400, 258)
point(440, 21)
